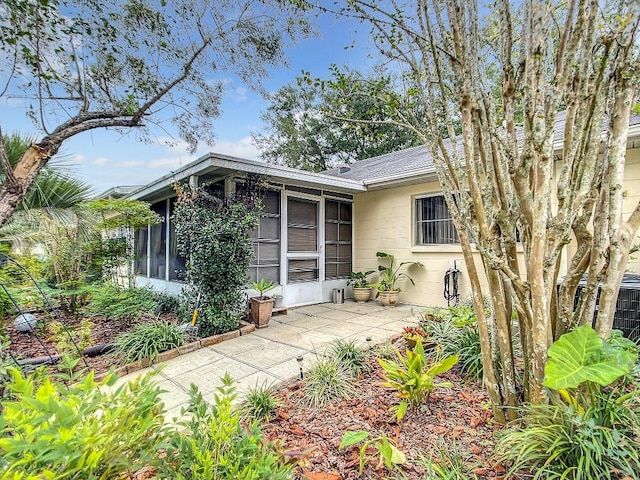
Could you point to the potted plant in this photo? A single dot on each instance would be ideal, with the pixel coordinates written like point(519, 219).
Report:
point(361, 286)
point(388, 289)
point(261, 306)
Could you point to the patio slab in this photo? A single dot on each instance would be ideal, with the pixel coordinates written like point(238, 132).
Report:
point(269, 354)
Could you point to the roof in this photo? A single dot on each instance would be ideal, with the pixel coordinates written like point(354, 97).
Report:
point(214, 166)
point(406, 166)
point(117, 192)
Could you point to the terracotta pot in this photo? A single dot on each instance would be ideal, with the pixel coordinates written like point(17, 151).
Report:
point(362, 294)
point(389, 298)
point(261, 311)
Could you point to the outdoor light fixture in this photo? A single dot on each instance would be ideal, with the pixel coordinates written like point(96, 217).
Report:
point(299, 360)
point(368, 339)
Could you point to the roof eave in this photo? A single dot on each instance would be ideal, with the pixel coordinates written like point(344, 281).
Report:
point(228, 164)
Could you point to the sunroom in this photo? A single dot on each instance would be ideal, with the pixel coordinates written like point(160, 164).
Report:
point(304, 241)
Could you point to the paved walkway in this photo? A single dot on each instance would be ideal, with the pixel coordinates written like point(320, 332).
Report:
point(269, 354)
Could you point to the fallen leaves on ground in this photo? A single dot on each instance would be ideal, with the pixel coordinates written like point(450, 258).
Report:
point(456, 418)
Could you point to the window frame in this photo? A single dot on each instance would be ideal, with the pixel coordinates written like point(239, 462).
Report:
point(418, 236)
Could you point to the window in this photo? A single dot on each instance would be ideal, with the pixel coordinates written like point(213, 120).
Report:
point(140, 242)
point(434, 224)
point(158, 242)
point(338, 247)
point(177, 263)
point(266, 240)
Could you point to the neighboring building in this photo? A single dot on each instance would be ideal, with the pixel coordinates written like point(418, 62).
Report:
point(317, 227)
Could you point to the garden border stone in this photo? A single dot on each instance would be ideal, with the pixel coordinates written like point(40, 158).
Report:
point(245, 329)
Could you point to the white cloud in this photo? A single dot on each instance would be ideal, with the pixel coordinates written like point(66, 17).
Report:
point(99, 160)
point(129, 164)
point(168, 163)
point(242, 148)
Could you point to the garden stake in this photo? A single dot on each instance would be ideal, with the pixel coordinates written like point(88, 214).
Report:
point(195, 310)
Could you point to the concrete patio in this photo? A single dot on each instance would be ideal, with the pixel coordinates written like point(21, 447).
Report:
point(269, 354)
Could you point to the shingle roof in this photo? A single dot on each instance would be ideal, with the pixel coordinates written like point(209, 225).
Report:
point(416, 160)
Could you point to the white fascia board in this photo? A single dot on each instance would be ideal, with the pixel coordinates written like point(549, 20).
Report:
point(212, 162)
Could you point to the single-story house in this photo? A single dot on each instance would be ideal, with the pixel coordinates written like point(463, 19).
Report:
point(318, 227)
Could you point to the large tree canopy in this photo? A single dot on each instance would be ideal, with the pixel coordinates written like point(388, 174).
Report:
point(543, 92)
point(83, 65)
point(307, 122)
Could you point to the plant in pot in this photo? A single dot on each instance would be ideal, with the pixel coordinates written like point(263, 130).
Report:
point(262, 306)
point(390, 275)
point(361, 286)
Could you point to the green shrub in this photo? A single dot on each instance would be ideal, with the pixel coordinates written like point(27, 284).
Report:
point(467, 346)
point(213, 322)
point(213, 443)
point(70, 341)
point(84, 431)
point(167, 303)
point(413, 377)
point(147, 340)
point(121, 304)
point(593, 430)
point(214, 233)
point(556, 442)
point(347, 353)
point(260, 402)
point(325, 381)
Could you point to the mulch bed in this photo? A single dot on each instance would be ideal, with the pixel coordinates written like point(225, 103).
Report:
point(455, 418)
point(23, 345)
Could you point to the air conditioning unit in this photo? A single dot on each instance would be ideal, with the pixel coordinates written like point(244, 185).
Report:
point(627, 316)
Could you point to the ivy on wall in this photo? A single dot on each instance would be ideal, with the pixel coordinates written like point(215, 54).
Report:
point(214, 234)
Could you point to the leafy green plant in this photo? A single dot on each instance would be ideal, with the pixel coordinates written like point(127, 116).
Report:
point(262, 286)
point(326, 380)
point(349, 355)
point(359, 279)
point(121, 304)
point(214, 233)
point(167, 303)
point(462, 316)
point(216, 322)
point(448, 465)
point(413, 377)
point(593, 431)
point(390, 275)
point(260, 402)
point(389, 454)
point(213, 443)
point(147, 340)
point(50, 430)
point(468, 348)
point(64, 342)
point(385, 350)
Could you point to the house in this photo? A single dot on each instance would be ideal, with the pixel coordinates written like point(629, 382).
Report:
point(317, 227)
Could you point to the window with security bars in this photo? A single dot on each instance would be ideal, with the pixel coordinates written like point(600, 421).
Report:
point(434, 225)
point(266, 240)
point(337, 236)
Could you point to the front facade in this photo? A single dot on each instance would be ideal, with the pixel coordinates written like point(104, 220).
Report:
point(316, 228)
point(304, 241)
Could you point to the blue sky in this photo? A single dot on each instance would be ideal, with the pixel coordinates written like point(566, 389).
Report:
point(105, 158)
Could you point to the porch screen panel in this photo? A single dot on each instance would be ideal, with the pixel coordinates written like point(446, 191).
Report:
point(266, 240)
point(158, 241)
point(140, 238)
point(302, 226)
point(303, 270)
point(177, 263)
point(338, 242)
